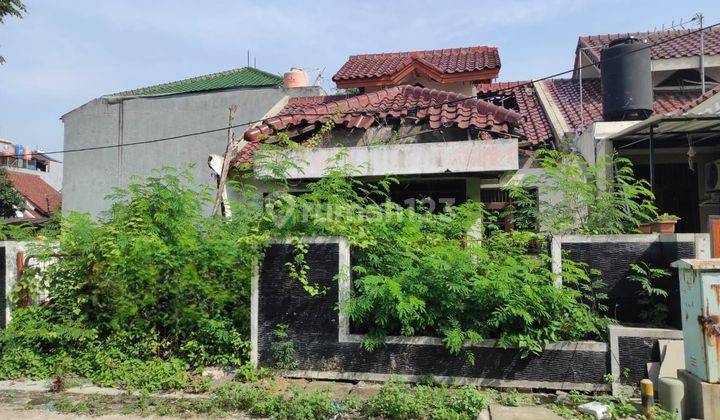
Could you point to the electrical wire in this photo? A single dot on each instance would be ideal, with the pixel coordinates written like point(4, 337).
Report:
point(377, 111)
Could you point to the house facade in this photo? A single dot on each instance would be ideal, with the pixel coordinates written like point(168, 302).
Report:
point(677, 149)
point(195, 105)
point(442, 107)
point(19, 158)
point(416, 117)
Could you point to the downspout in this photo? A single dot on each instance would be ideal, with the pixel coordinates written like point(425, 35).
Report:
point(652, 159)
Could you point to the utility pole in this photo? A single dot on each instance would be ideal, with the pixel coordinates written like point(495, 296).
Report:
point(226, 163)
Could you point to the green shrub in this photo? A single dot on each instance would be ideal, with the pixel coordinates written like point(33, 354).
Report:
point(419, 273)
point(400, 401)
point(140, 296)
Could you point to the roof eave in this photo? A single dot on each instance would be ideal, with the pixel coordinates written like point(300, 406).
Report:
point(470, 76)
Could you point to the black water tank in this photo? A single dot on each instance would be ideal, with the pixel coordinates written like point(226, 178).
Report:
point(626, 80)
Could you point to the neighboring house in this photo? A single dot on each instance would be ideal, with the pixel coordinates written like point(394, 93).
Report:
point(171, 109)
point(675, 60)
point(678, 147)
point(41, 199)
point(20, 158)
point(455, 70)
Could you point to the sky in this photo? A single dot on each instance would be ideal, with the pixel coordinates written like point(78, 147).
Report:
point(65, 53)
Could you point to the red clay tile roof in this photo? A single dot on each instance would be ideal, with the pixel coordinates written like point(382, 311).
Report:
point(566, 95)
point(409, 103)
point(536, 126)
point(685, 46)
point(39, 193)
point(466, 64)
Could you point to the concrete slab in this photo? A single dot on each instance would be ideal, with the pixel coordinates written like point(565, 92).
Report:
point(702, 399)
point(532, 412)
point(24, 385)
point(653, 372)
point(673, 359)
point(92, 390)
point(365, 390)
point(339, 390)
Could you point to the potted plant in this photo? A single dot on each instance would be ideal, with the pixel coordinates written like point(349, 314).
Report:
point(665, 223)
point(646, 227)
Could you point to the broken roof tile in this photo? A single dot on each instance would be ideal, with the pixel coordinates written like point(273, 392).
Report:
point(409, 103)
point(536, 127)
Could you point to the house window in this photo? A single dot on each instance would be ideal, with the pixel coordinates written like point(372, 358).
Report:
point(434, 195)
point(511, 215)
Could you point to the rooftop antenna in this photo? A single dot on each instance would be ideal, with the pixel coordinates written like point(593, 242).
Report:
point(319, 76)
point(699, 16)
point(255, 61)
point(248, 58)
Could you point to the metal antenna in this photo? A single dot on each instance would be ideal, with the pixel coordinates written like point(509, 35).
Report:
point(319, 76)
point(700, 18)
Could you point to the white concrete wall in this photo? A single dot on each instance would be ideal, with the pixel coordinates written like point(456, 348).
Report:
point(91, 175)
point(11, 250)
point(52, 177)
point(411, 159)
point(592, 143)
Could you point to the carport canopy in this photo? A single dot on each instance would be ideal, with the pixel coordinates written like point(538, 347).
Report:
point(669, 131)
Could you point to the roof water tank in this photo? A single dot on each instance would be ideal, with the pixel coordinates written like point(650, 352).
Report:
point(19, 151)
point(625, 72)
point(7, 149)
point(295, 78)
point(28, 154)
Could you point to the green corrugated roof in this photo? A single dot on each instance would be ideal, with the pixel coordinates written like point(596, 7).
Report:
point(237, 78)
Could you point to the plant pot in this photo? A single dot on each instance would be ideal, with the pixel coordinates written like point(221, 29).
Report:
point(646, 227)
point(664, 226)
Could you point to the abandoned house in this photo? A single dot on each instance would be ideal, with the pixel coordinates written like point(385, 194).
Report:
point(440, 121)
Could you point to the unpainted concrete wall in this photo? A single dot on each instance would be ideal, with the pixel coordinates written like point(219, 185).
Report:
point(90, 176)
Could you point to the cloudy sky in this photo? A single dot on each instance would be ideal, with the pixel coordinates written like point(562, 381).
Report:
point(65, 53)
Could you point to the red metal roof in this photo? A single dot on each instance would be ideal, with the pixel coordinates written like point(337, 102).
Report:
point(39, 193)
point(566, 96)
point(457, 64)
point(409, 103)
point(536, 126)
point(684, 46)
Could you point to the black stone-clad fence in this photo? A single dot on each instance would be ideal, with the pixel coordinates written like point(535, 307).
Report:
point(325, 347)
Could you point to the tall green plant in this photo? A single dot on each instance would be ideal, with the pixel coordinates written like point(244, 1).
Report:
point(418, 273)
point(581, 198)
point(651, 298)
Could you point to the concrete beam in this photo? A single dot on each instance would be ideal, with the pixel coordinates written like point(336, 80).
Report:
point(557, 122)
point(408, 159)
point(685, 63)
